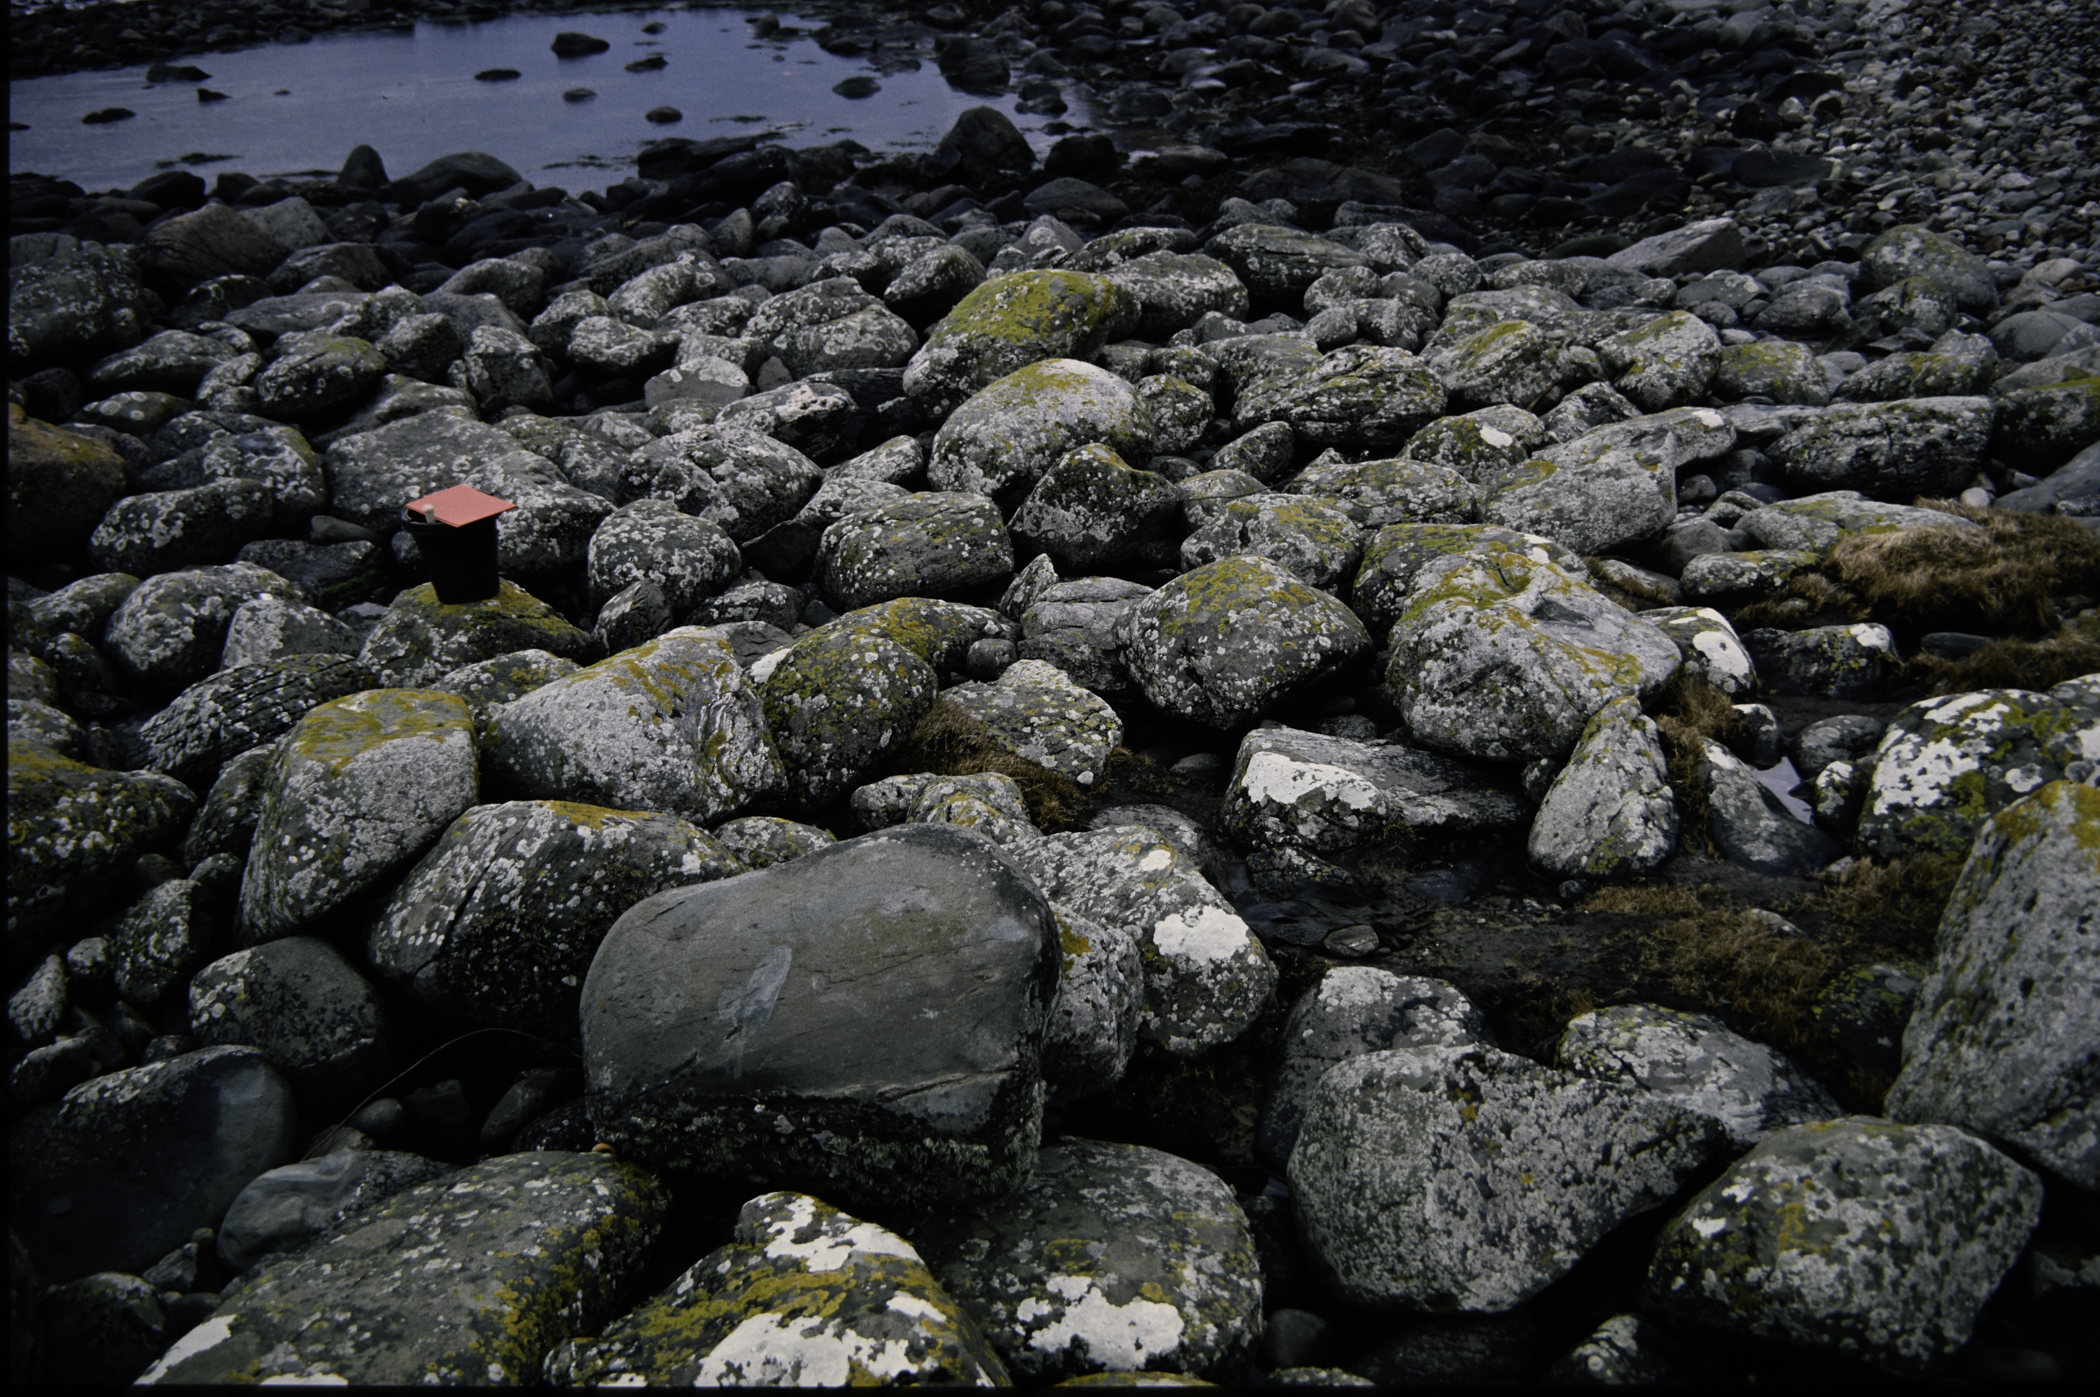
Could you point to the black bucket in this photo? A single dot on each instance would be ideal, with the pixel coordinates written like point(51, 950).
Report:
point(461, 561)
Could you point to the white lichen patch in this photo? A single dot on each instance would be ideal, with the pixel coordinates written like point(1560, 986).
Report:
point(1201, 934)
point(1119, 1338)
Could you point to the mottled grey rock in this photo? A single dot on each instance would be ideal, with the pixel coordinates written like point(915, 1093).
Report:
point(360, 788)
point(760, 841)
point(1279, 264)
point(1034, 711)
point(289, 1208)
point(170, 631)
point(471, 1277)
point(1510, 361)
point(1610, 811)
point(72, 828)
point(1009, 433)
point(1314, 539)
point(270, 628)
point(1110, 1258)
point(1624, 1351)
point(1479, 445)
point(1397, 553)
point(1091, 510)
point(1174, 290)
point(1696, 247)
point(102, 1329)
point(421, 640)
point(936, 544)
point(301, 1005)
point(217, 719)
point(1708, 645)
point(690, 559)
point(1750, 824)
point(1015, 320)
point(1357, 398)
point(744, 481)
point(804, 1296)
point(176, 529)
point(1463, 1178)
point(1850, 661)
point(794, 959)
point(1877, 1241)
point(1399, 491)
point(1816, 522)
point(321, 371)
point(1846, 737)
point(163, 939)
point(1695, 1062)
point(2001, 1039)
point(1909, 250)
point(1665, 363)
point(1895, 450)
point(173, 361)
point(72, 307)
point(1353, 1010)
point(1611, 486)
point(1100, 1006)
point(1329, 794)
point(1782, 371)
point(836, 701)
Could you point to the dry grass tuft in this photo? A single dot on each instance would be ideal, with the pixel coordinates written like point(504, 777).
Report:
point(1687, 711)
point(2012, 664)
point(1641, 900)
point(1903, 896)
point(1763, 981)
point(952, 743)
point(1810, 599)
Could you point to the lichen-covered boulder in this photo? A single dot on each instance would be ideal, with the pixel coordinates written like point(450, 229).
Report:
point(305, 1008)
point(1174, 290)
point(286, 1208)
point(1945, 765)
point(804, 1296)
point(1008, 434)
point(1749, 823)
point(1111, 1258)
point(1709, 647)
point(742, 480)
point(1091, 510)
point(1314, 539)
point(690, 559)
point(1328, 794)
point(497, 924)
point(1397, 552)
point(128, 1166)
point(712, 1019)
point(1910, 250)
point(1206, 978)
point(1353, 1010)
point(1035, 712)
point(1665, 363)
point(271, 628)
point(673, 725)
point(1479, 445)
point(837, 701)
point(760, 841)
point(487, 685)
point(1011, 321)
point(1610, 486)
point(1894, 451)
point(422, 639)
point(1099, 1008)
point(1781, 370)
point(1355, 398)
point(361, 787)
point(1695, 1062)
point(73, 307)
point(1878, 1241)
point(170, 530)
point(322, 371)
point(1610, 812)
point(1399, 491)
point(1815, 523)
point(937, 544)
point(1509, 362)
point(73, 828)
point(985, 802)
point(218, 718)
point(1849, 661)
point(1278, 263)
point(1221, 643)
point(470, 1278)
point(170, 630)
point(1505, 655)
point(830, 325)
point(2001, 1040)
point(59, 485)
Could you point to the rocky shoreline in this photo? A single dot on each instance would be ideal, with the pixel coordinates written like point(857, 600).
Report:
point(1374, 748)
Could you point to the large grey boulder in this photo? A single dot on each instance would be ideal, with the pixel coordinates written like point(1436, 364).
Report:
point(1695, 1062)
point(1013, 430)
point(1610, 811)
point(1278, 263)
point(1398, 491)
point(1665, 363)
point(469, 1278)
point(1353, 1010)
point(1221, 643)
point(1464, 1178)
point(73, 307)
point(1099, 1009)
point(1356, 398)
point(359, 789)
point(1034, 711)
point(2001, 1041)
point(129, 1165)
point(1207, 978)
point(742, 480)
point(1816, 522)
point(1894, 451)
point(1877, 1241)
point(73, 828)
point(287, 1208)
point(170, 630)
point(1091, 510)
point(496, 926)
point(1015, 320)
point(1314, 539)
point(1110, 1258)
point(305, 1008)
point(242, 707)
point(713, 1015)
point(1610, 486)
point(690, 559)
point(1174, 290)
point(1750, 824)
point(1708, 644)
point(673, 725)
point(936, 544)
point(837, 701)
point(1328, 794)
point(421, 640)
point(175, 529)
point(1397, 553)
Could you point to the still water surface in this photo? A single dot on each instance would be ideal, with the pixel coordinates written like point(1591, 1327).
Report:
point(412, 95)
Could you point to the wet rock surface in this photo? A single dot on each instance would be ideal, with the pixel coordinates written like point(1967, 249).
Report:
point(1567, 528)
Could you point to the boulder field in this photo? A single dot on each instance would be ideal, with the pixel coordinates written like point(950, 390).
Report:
point(1282, 796)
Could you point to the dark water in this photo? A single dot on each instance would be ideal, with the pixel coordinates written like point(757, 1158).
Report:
point(412, 95)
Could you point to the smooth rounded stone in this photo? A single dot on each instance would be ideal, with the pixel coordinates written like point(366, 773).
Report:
point(421, 639)
point(1909, 250)
point(1091, 510)
point(177, 529)
point(471, 1277)
point(671, 725)
point(1459, 1177)
point(898, 461)
point(1624, 1351)
point(803, 1295)
point(690, 559)
point(497, 924)
point(1207, 978)
point(1353, 1010)
point(1111, 1258)
point(1610, 812)
point(1999, 1041)
point(217, 719)
point(774, 604)
point(1510, 362)
point(37, 722)
point(1828, 661)
point(1709, 646)
point(173, 361)
point(744, 481)
point(1034, 711)
point(1733, 578)
point(1611, 486)
point(1178, 411)
point(73, 827)
point(1313, 539)
point(1479, 445)
point(129, 1165)
point(1399, 491)
point(1783, 371)
point(322, 372)
point(1556, 649)
point(1877, 1241)
point(1696, 247)
point(836, 702)
point(170, 631)
point(102, 1329)
point(1279, 264)
point(1011, 321)
point(1219, 644)
point(2050, 425)
point(760, 841)
point(609, 347)
point(1666, 363)
point(1263, 452)
point(162, 939)
point(936, 544)
point(1012, 431)
point(792, 960)
point(1695, 1062)
point(84, 607)
point(1329, 794)
point(931, 284)
point(1397, 553)
point(289, 1208)
point(1174, 290)
point(1813, 308)
point(301, 1005)
point(1749, 823)
point(72, 308)
point(361, 787)
point(1815, 523)
point(1897, 450)
point(270, 628)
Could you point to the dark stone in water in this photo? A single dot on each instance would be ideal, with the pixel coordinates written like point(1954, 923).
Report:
point(170, 72)
point(663, 116)
point(859, 85)
point(205, 94)
point(570, 44)
point(362, 169)
point(105, 115)
point(496, 75)
point(578, 94)
point(647, 65)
